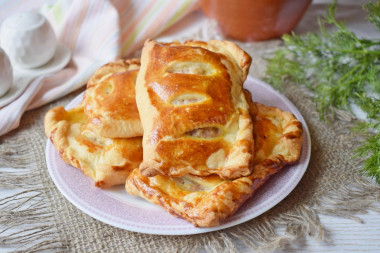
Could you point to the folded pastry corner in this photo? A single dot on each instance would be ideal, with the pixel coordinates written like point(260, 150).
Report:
point(208, 200)
point(107, 161)
point(109, 100)
point(193, 111)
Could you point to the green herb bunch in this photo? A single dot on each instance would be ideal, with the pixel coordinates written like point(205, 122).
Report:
point(341, 69)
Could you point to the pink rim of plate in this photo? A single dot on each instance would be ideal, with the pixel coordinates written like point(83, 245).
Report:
point(146, 218)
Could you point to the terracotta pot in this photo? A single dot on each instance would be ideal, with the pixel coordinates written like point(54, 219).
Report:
point(255, 20)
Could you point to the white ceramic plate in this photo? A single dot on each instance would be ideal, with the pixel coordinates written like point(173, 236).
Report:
point(117, 208)
point(17, 88)
point(60, 59)
point(22, 77)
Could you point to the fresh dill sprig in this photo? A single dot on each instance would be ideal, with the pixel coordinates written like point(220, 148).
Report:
point(373, 10)
point(341, 69)
point(371, 150)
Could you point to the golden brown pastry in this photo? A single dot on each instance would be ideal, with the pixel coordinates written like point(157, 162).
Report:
point(207, 201)
point(110, 102)
point(107, 161)
point(194, 114)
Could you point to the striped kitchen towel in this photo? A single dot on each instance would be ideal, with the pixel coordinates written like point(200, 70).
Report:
point(96, 32)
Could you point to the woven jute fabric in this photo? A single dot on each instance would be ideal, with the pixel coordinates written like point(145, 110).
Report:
point(38, 218)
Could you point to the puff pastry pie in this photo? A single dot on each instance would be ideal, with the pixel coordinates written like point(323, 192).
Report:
point(193, 112)
point(107, 161)
point(207, 201)
point(110, 102)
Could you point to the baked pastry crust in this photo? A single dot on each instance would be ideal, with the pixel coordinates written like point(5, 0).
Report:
point(110, 102)
point(107, 161)
point(194, 114)
point(208, 201)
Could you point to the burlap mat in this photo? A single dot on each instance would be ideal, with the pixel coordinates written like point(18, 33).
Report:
point(47, 221)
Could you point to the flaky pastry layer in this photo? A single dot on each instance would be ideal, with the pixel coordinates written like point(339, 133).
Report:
point(110, 102)
point(207, 201)
point(194, 114)
point(107, 161)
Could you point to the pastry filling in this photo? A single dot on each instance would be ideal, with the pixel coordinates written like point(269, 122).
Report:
point(194, 68)
point(205, 132)
point(108, 88)
point(187, 99)
point(188, 185)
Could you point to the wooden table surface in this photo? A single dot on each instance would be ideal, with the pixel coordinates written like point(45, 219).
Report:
point(346, 236)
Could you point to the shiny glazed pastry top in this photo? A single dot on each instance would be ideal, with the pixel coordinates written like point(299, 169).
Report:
point(193, 111)
point(110, 102)
point(209, 200)
point(106, 161)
